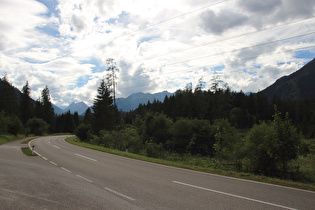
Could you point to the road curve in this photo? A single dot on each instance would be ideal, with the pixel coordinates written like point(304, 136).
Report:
point(94, 180)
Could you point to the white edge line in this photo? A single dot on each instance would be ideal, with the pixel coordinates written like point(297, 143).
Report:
point(43, 157)
point(117, 193)
point(232, 195)
point(66, 170)
point(85, 157)
point(88, 180)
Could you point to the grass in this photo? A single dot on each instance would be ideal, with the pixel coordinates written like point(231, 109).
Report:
point(28, 140)
point(5, 138)
point(28, 152)
point(197, 164)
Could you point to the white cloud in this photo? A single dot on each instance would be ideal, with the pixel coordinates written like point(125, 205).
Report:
point(158, 45)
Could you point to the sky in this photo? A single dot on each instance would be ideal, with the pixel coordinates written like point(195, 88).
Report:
point(157, 45)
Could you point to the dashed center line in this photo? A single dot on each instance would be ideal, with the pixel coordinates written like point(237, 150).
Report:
point(85, 157)
point(56, 146)
point(88, 180)
point(66, 170)
point(232, 195)
point(119, 194)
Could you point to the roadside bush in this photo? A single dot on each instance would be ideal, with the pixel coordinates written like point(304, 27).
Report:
point(227, 140)
point(155, 150)
point(270, 148)
point(83, 132)
point(157, 128)
point(182, 134)
point(3, 122)
point(259, 154)
point(37, 126)
point(15, 125)
point(104, 139)
point(132, 141)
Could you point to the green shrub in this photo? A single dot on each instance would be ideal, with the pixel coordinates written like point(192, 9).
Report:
point(155, 150)
point(37, 126)
point(83, 132)
point(14, 125)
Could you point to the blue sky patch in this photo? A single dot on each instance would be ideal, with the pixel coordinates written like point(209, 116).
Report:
point(51, 5)
point(218, 68)
point(83, 81)
point(49, 30)
point(304, 54)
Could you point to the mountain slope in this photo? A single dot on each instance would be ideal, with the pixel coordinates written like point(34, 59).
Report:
point(298, 85)
point(57, 110)
point(79, 107)
point(132, 102)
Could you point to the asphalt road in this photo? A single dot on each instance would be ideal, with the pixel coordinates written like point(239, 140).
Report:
point(66, 176)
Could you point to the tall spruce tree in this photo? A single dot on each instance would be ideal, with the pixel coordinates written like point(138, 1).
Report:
point(48, 110)
point(103, 109)
point(8, 97)
point(26, 104)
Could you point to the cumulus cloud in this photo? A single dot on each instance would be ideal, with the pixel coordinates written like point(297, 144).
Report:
point(260, 7)
point(158, 45)
point(224, 20)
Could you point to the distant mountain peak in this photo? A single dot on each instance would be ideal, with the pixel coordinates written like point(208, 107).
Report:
point(132, 102)
point(79, 107)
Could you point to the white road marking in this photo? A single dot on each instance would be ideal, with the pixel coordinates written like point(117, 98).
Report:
point(57, 147)
point(85, 157)
point(232, 195)
point(66, 170)
point(28, 195)
point(120, 194)
point(53, 163)
point(85, 178)
point(44, 158)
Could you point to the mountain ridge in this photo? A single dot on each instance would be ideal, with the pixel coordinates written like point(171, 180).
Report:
point(132, 102)
point(298, 85)
point(125, 104)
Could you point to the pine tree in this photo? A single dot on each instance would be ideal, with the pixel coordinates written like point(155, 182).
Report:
point(88, 117)
point(103, 109)
point(48, 110)
point(8, 97)
point(26, 105)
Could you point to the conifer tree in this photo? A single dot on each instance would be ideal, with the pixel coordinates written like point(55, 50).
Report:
point(8, 97)
point(26, 105)
point(48, 110)
point(103, 109)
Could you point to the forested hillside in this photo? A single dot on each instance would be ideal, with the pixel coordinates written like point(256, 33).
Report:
point(19, 113)
point(244, 132)
point(298, 85)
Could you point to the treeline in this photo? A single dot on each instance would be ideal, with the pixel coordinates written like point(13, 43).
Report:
point(20, 114)
point(245, 132)
point(241, 110)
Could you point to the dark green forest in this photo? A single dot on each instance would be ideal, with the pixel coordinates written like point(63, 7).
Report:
point(231, 130)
